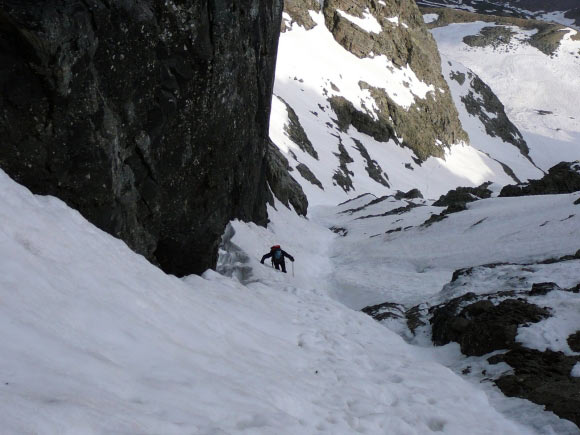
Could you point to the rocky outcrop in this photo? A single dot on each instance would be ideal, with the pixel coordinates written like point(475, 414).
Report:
point(456, 200)
point(547, 38)
point(543, 378)
point(283, 186)
point(148, 116)
point(373, 168)
point(463, 195)
point(490, 36)
point(296, 132)
point(481, 327)
point(308, 175)
point(561, 178)
point(347, 115)
point(482, 103)
point(342, 174)
point(298, 11)
point(431, 123)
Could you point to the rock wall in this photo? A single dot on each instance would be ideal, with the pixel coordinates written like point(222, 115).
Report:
point(148, 116)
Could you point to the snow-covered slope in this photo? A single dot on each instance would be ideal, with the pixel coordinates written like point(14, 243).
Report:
point(566, 12)
point(540, 92)
point(97, 340)
point(343, 162)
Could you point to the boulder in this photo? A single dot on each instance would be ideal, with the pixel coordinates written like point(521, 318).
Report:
point(481, 327)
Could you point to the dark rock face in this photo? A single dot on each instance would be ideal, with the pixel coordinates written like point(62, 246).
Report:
point(547, 38)
point(456, 200)
point(308, 175)
point(482, 327)
point(347, 115)
point(148, 116)
point(562, 178)
point(411, 194)
point(481, 102)
point(342, 174)
point(298, 11)
point(284, 187)
point(490, 36)
point(373, 168)
point(544, 378)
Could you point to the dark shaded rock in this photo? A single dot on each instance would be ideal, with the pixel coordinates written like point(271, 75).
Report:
point(414, 318)
point(393, 231)
point(561, 178)
point(490, 36)
point(456, 200)
point(342, 174)
point(150, 118)
point(574, 341)
point(481, 102)
point(577, 202)
point(399, 210)
point(543, 378)
point(547, 38)
point(339, 230)
point(458, 77)
point(543, 288)
point(373, 168)
point(284, 187)
point(411, 194)
point(308, 175)
point(463, 195)
point(296, 133)
point(347, 115)
point(433, 219)
point(387, 310)
point(482, 327)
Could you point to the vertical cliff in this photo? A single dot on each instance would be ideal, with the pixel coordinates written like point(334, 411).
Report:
point(148, 116)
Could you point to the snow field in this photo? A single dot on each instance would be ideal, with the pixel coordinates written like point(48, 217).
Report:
point(100, 341)
point(527, 81)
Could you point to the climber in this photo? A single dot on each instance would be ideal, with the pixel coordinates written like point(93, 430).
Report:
point(277, 255)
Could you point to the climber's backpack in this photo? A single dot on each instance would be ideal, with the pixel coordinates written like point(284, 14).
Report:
point(277, 254)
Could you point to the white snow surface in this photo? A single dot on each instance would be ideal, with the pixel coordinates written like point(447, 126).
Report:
point(368, 23)
point(527, 81)
point(575, 371)
point(97, 340)
point(495, 147)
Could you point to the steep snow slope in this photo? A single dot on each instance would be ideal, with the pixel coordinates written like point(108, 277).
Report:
point(97, 340)
point(540, 93)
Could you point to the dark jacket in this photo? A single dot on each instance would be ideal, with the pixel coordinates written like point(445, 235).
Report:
point(271, 254)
